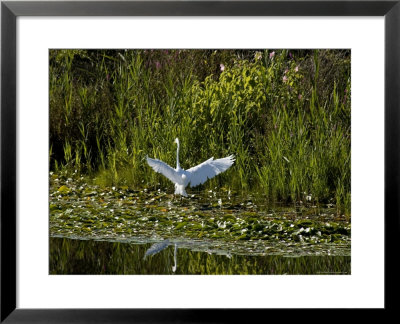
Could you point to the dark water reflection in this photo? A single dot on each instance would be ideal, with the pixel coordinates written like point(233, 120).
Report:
point(74, 256)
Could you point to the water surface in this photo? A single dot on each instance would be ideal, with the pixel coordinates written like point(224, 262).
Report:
point(69, 256)
point(97, 230)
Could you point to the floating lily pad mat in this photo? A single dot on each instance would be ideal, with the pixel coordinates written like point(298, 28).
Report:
point(108, 230)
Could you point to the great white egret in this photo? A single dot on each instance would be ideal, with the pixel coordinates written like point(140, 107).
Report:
point(193, 176)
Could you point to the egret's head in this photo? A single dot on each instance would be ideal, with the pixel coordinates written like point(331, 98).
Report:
point(176, 141)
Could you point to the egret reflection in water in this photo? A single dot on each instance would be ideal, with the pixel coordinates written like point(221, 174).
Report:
point(160, 246)
point(175, 263)
point(156, 248)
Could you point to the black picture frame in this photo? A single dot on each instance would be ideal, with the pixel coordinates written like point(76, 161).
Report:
point(10, 10)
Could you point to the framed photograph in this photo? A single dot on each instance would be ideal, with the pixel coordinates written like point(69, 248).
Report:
point(197, 160)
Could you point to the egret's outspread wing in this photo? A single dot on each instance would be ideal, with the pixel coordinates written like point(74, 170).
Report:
point(164, 169)
point(209, 169)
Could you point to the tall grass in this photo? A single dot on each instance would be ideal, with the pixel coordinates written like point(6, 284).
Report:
point(284, 114)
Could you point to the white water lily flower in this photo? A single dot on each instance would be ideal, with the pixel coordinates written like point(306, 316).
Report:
point(220, 225)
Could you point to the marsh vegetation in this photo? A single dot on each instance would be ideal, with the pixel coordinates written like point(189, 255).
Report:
point(284, 114)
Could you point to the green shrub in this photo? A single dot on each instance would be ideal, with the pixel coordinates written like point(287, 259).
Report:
point(284, 114)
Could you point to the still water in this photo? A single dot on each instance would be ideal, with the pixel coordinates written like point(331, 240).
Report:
point(96, 230)
point(72, 256)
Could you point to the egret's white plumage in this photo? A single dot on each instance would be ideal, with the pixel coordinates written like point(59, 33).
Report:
point(193, 176)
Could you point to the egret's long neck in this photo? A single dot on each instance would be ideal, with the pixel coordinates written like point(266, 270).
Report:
point(177, 155)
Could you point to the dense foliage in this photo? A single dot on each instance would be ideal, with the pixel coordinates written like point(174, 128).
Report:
point(285, 114)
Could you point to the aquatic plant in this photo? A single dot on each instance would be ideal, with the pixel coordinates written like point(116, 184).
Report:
point(285, 114)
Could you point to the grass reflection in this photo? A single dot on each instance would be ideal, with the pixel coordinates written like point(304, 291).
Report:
point(69, 256)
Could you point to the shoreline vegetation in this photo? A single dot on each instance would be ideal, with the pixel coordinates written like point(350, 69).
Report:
point(284, 114)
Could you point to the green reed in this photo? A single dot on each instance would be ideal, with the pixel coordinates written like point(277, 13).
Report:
point(284, 114)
